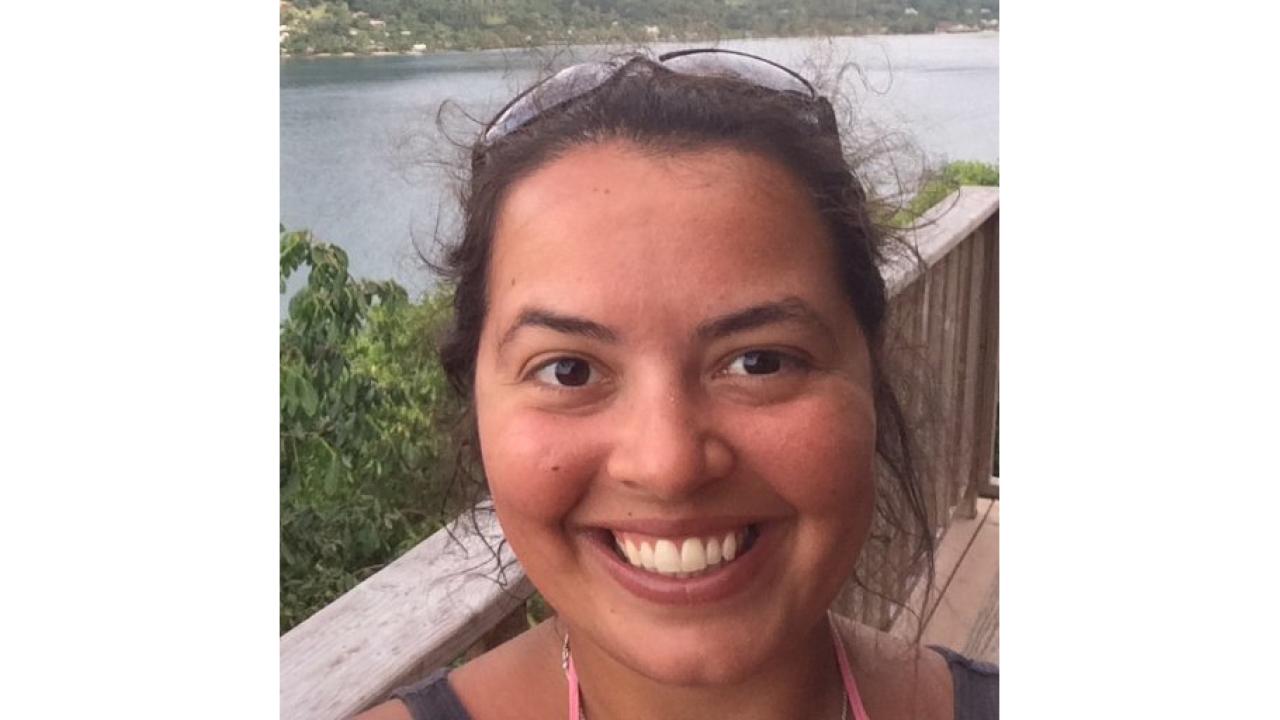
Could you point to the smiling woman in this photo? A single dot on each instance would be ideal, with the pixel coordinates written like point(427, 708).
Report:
point(669, 324)
point(742, 414)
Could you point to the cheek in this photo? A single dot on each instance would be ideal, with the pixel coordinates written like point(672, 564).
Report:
point(537, 468)
point(818, 454)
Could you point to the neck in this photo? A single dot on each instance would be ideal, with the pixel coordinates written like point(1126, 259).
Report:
point(800, 680)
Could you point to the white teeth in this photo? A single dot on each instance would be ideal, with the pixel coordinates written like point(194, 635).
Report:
point(646, 556)
point(693, 558)
point(690, 558)
point(730, 547)
point(666, 557)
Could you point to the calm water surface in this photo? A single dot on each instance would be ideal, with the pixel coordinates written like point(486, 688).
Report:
point(361, 150)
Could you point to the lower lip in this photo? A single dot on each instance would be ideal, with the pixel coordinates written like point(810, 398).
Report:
point(723, 583)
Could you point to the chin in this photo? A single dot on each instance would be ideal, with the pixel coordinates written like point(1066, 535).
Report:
point(695, 658)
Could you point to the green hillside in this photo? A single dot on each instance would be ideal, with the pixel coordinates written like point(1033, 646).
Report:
point(310, 27)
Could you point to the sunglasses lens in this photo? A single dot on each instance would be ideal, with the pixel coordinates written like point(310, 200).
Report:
point(567, 84)
point(754, 70)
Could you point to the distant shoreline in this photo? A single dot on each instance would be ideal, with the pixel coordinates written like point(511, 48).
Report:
point(426, 53)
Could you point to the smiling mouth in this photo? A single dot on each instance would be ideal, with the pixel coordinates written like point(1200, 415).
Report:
point(684, 556)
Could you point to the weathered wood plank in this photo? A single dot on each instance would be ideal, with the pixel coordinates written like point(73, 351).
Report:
point(960, 418)
point(942, 227)
point(976, 246)
point(925, 597)
point(419, 612)
point(934, 422)
point(950, 381)
point(964, 617)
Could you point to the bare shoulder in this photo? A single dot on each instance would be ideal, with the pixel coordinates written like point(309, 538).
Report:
point(520, 678)
point(897, 679)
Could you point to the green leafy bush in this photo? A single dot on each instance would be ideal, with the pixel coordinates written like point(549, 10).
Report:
point(366, 419)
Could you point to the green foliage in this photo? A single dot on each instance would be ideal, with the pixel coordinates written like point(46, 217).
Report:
point(334, 26)
point(943, 183)
point(365, 419)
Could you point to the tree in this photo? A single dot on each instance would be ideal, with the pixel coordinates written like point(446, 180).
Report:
point(366, 420)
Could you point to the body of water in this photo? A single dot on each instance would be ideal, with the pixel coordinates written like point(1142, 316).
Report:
point(367, 159)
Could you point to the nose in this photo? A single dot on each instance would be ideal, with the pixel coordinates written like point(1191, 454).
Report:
point(666, 444)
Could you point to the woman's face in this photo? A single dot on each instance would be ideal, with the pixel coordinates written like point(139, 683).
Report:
point(669, 364)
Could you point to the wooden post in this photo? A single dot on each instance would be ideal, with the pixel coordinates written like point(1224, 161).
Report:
point(988, 369)
point(972, 365)
point(950, 373)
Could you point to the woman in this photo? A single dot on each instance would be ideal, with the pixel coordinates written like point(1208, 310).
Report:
point(668, 319)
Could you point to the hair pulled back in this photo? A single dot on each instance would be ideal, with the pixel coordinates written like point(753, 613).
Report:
point(667, 112)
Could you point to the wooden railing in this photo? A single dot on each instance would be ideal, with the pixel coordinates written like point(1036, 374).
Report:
point(947, 311)
point(443, 596)
point(943, 329)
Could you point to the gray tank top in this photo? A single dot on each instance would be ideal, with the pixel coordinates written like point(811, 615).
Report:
point(977, 692)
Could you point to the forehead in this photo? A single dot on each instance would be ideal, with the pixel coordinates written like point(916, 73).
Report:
point(610, 227)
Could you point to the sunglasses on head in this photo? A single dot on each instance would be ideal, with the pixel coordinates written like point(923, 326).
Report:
point(575, 81)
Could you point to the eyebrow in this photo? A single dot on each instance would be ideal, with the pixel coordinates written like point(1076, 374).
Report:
point(568, 324)
point(787, 310)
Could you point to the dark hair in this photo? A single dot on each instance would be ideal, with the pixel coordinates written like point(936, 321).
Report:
point(663, 111)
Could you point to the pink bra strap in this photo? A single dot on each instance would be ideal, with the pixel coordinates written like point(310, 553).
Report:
point(850, 687)
point(575, 696)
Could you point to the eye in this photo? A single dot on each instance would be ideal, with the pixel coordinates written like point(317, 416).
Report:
point(757, 362)
point(566, 372)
